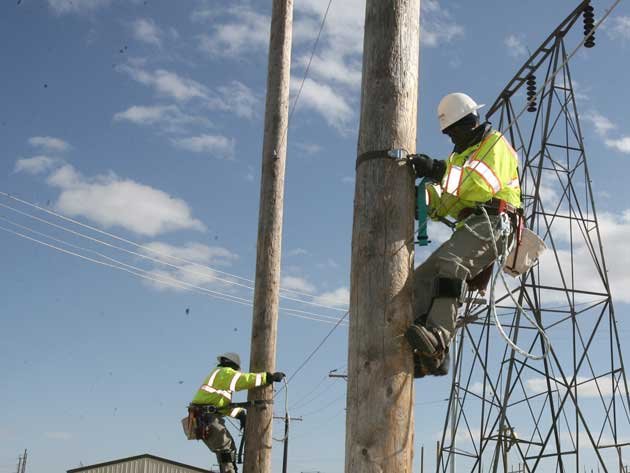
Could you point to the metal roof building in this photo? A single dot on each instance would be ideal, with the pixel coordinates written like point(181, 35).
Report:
point(140, 464)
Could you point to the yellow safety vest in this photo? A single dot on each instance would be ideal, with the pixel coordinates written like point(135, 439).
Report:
point(218, 386)
point(481, 172)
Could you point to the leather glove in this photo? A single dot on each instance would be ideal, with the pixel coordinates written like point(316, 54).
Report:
point(242, 418)
point(275, 377)
point(425, 166)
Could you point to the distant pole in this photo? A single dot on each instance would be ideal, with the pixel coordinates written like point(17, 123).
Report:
point(422, 459)
point(23, 470)
point(379, 419)
point(268, 250)
point(285, 453)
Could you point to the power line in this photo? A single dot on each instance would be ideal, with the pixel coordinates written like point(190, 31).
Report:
point(145, 247)
point(143, 274)
point(307, 70)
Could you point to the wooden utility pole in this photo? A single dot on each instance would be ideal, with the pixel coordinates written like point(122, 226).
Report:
point(379, 420)
point(268, 250)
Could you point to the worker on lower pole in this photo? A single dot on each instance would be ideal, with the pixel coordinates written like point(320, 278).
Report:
point(213, 401)
point(482, 171)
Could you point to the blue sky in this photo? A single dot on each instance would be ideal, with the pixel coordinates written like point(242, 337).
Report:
point(144, 119)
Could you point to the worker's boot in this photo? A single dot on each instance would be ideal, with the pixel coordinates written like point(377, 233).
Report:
point(227, 463)
point(429, 346)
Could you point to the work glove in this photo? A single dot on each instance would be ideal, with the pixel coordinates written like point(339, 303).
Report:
point(275, 377)
point(242, 418)
point(425, 166)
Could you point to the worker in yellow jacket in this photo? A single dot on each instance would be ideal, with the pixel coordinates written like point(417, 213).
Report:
point(482, 171)
point(213, 401)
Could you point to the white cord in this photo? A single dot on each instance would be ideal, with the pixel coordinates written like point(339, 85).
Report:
point(287, 417)
point(501, 259)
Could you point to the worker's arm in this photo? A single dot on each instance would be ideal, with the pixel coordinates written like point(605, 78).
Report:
point(249, 380)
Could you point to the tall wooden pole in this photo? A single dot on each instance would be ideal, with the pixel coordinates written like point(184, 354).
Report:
point(379, 420)
point(266, 293)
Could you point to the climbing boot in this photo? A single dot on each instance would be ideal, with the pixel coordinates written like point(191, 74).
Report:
point(428, 342)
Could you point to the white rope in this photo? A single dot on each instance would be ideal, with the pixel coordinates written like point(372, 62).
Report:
point(501, 260)
point(287, 417)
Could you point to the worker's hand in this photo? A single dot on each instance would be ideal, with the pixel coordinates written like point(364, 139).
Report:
point(275, 377)
point(425, 166)
point(242, 418)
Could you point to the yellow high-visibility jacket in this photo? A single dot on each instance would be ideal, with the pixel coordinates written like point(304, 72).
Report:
point(476, 175)
point(219, 385)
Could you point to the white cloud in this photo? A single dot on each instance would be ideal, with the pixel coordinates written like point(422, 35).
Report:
point(338, 298)
point(622, 144)
point(620, 27)
point(167, 83)
point(145, 30)
point(236, 98)
point(111, 201)
point(586, 389)
point(246, 31)
point(49, 143)
point(308, 148)
point(348, 179)
point(76, 6)
point(324, 100)
point(297, 252)
point(192, 252)
point(295, 283)
point(169, 117)
point(217, 145)
point(516, 46)
point(191, 259)
point(437, 25)
point(601, 123)
point(36, 164)
point(333, 67)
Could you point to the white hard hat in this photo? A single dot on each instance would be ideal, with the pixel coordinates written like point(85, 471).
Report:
point(454, 107)
point(233, 357)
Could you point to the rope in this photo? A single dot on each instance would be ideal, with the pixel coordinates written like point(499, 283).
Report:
point(501, 260)
point(287, 417)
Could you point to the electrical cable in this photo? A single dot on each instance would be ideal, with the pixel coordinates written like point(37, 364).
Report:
point(155, 260)
point(307, 70)
point(317, 348)
point(500, 259)
point(287, 417)
point(143, 274)
point(138, 245)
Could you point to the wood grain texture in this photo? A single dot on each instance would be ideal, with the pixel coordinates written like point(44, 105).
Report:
point(269, 244)
point(380, 421)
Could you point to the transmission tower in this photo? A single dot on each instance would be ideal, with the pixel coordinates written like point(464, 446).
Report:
point(569, 410)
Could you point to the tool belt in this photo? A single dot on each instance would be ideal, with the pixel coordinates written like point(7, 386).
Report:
point(493, 207)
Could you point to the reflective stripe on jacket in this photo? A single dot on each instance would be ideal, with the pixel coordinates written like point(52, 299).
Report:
point(219, 385)
point(476, 175)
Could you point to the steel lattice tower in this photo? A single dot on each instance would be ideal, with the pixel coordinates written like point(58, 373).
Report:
point(571, 410)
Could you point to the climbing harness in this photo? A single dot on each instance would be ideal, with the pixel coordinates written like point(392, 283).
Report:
point(505, 229)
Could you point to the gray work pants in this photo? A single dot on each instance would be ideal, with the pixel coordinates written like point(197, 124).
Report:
point(464, 255)
point(220, 441)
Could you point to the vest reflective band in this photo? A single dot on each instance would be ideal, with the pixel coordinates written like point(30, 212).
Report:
point(453, 180)
point(485, 172)
point(258, 380)
point(211, 390)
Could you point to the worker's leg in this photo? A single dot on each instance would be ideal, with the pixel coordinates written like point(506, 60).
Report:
point(464, 255)
point(220, 441)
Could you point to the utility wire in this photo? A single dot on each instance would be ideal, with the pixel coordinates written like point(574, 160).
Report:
point(143, 274)
point(185, 269)
point(308, 68)
point(138, 245)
